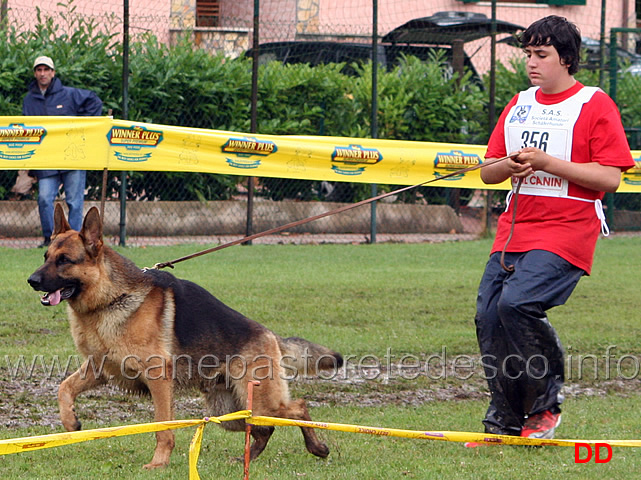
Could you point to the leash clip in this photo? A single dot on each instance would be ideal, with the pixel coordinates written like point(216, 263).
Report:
point(157, 266)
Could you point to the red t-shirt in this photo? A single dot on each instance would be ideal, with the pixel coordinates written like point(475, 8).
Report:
point(566, 227)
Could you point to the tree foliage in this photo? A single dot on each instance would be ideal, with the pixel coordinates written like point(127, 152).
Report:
point(182, 85)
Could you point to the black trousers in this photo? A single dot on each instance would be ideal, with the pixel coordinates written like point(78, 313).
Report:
point(521, 353)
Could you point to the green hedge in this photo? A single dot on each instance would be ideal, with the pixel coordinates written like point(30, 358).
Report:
point(186, 86)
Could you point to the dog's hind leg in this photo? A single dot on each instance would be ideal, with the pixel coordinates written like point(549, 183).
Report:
point(271, 398)
point(297, 410)
point(261, 436)
point(220, 401)
point(79, 381)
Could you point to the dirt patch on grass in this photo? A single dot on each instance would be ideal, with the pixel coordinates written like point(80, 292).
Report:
point(29, 402)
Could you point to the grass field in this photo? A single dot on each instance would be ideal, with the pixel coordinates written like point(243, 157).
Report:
point(384, 307)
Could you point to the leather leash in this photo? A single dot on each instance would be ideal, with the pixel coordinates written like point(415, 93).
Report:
point(332, 212)
point(510, 268)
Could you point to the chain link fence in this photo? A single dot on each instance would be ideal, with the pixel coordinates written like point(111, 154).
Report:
point(191, 63)
point(624, 85)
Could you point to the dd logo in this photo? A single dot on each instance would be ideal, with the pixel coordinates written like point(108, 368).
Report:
point(597, 452)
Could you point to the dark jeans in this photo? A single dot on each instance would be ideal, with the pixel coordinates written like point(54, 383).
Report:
point(73, 181)
point(521, 353)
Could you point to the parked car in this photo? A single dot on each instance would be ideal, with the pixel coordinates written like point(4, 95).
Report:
point(421, 37)
point(592, 49)
point(323, 52)
point(445, 28)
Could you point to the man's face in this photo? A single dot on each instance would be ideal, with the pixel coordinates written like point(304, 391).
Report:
point(44, 75)
point(544, 67)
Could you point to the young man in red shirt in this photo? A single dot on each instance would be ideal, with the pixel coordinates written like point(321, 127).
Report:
point(569, 148)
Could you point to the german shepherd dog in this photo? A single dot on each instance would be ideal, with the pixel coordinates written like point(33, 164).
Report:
point(152, 332)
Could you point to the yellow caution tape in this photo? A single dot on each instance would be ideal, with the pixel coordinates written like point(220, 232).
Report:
point(196, 441)
point(445, 436)
point(26, 444)
point(194, 452)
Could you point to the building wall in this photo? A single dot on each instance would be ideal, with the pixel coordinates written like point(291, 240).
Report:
point(392, 13)
point(306, 19)
point(145, 15)
point(338, 17)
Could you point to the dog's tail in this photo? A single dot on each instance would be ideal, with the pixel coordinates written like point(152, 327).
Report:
point(308, 358)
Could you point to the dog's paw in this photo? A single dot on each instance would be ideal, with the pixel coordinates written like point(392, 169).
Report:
point(71, 423)
point(320, 450)
point(153, 466)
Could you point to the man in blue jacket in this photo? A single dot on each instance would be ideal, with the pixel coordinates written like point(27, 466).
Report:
point(48, 96)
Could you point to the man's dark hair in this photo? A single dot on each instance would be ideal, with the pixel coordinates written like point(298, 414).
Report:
point(559, 33)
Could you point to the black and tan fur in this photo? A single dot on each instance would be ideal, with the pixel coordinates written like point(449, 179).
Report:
point(152, 330)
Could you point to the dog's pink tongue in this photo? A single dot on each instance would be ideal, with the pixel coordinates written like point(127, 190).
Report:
point(54, 297)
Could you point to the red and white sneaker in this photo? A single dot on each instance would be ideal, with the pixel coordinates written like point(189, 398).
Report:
point(541, 425)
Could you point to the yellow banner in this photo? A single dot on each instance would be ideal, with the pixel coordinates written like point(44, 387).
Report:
point(95, 143)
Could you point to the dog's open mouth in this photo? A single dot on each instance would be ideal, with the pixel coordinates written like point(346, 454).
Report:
point(54, 298)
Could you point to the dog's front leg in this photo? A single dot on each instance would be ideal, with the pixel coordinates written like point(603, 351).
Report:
point(80, 381)
point(161, 390)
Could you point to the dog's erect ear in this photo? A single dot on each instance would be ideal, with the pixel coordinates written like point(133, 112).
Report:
point(92, 231)
point(60, 223)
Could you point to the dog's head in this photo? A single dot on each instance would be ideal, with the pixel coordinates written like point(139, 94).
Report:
point(69, 259)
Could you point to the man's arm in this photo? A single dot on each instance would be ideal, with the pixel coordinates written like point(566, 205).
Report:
point(501, 171)
point(87, 102)
point(592, 175)
point(92, 106)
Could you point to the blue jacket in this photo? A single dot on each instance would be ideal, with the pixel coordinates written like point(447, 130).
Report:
point(60, 100)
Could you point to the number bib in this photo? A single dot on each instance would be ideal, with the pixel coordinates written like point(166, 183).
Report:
point(548, 127)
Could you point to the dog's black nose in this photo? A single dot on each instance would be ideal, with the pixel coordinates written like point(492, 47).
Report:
point(35, 281)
